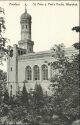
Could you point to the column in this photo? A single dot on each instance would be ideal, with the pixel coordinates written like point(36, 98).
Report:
point(40, 74)
point(49, 72)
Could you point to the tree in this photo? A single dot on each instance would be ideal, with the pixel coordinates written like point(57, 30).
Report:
point(6, 97)
point(38, 95)
point(3, 79)
point(76, 45)
point(76, 28)
point(66, 82)
point(3, 40)
point(24, 96)
point(17, 113)
point(38, 99)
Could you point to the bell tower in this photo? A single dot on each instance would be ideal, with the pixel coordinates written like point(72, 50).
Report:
point(26, 42)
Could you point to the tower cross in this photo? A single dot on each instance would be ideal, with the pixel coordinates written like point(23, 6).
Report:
point(25, 7)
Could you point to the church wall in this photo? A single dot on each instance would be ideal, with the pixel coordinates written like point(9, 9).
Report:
point(11, 75)
point(12, 69)
point(32, 62)
point(16, 70)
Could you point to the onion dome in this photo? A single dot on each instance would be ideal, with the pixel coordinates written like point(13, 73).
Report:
point(25, 16)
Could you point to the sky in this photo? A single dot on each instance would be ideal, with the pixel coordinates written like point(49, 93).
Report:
point(52, 22)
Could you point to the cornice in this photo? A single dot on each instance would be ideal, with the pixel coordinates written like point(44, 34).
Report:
point(37, 55)
point(49, 53)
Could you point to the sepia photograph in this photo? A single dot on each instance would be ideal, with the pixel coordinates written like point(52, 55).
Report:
point(39, 62)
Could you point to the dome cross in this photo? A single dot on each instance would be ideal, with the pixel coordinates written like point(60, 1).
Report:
point(25, 8)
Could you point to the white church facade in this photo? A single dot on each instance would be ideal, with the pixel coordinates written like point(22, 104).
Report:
point(25, 65)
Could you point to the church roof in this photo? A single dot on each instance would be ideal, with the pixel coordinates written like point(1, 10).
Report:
point(48, 53)
point(25, 15)
point(34, 55)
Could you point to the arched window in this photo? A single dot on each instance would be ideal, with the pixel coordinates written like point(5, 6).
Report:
point(28, 73)
point(36, 72)
point(44, 72)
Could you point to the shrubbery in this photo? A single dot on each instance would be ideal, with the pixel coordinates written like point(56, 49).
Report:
point(34, 107)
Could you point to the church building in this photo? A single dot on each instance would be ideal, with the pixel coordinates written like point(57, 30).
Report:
point(26, 66)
